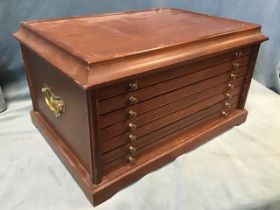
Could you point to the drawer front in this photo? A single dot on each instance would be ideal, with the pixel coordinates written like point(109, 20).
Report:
point(125, 87)
point(165, 87)
point(139, 115)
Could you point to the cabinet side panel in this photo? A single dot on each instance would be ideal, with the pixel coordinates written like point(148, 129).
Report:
point(73, 125)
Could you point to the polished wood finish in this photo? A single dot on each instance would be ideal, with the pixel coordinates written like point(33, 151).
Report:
point(136, 97)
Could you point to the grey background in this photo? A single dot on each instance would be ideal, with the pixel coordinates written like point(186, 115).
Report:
point(12, 12)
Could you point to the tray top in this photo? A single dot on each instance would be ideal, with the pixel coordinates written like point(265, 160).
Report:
point(105, 37)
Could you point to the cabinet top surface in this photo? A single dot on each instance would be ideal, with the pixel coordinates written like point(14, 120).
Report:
point(105, 37)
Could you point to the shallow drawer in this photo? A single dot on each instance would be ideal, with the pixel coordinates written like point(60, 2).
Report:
point(125, 87)
point(165, 87)
point(167, 109)
point(148, 105)
point(157, 138)
point(160, 123)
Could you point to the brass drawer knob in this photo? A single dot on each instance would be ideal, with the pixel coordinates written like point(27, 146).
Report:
point(132, 138)
point(224, 113)
point(230, 86)
point(228, 95)
point(236, 65)
point(227, 104)
point(133, 85)
point(132, 113)
point(132, 100)
point(238, 54)
point(131, 159)
point(233, 76)
point(132, 126)
point(132, 150)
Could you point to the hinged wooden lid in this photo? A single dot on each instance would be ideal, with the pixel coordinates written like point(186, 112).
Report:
point(94, 50)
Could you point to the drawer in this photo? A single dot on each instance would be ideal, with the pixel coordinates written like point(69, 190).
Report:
point(165, 87)
point(167, 109)
point(148, 105)
point(107, 147)
point(125, 87)
point(168, 133)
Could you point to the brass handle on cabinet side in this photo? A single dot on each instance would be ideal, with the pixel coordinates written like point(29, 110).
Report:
point(132, 113)
point(132, 138)
point(132, 126)
point(133, 85)
point(132, 100)
point(54, 102)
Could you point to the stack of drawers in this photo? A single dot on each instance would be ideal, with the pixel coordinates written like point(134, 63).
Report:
point(136, 116)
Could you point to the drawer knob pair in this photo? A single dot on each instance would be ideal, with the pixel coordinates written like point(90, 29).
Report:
point(238, 54)
point(230, 86)
point(132, 126)
point(233, 76)
point(236, 65)
point(132, 100)
point(132, 151)
point(133, 86)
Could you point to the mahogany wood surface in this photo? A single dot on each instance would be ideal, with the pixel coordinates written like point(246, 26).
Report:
point(137, 94)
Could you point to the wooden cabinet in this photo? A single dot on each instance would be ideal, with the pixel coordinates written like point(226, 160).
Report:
point(119, 95)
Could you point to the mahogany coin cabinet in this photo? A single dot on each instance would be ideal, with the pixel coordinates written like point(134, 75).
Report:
point(119, 95)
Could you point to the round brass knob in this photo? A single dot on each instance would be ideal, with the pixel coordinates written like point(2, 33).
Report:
point(131, 159)
point(132, 100)
point(133, 85)
point(132, 113)
point(236, 65)
point(230, 86)
point(228, 95)
point(132, 150)
point(233, 76)
point(224, 113)
point(132, 126)
point(238, 54)
point(132, 138)
point(227, 104)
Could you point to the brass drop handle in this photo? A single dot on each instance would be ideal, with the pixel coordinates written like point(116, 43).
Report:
point(132, 113)
point(238, 54)
point(131, 159)
point(132, 150)
point(228, 96)
point(132, 100)
point(236, 65)
point(132, 137)
point(224, 113)
point(227, 104)
point(132, 126)
point(133, 85)
point(54, 102)
point(233, 76)
point(230, 86)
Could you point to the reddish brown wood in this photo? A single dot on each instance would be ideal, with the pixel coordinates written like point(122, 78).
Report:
point(184, 76)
